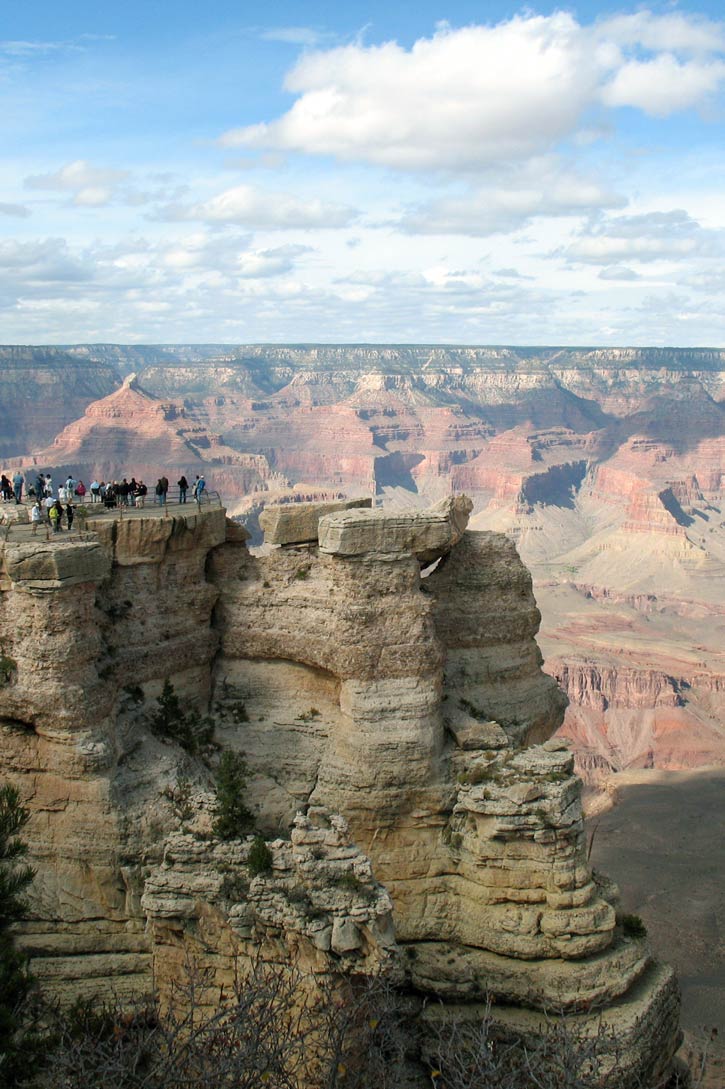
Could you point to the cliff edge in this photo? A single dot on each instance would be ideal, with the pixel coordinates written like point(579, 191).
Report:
point(380, 675)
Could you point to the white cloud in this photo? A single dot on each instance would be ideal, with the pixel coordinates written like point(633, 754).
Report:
point(539, 190)
point(18, 211)
point(91, 186)
point(480, 95)
point(650, 237)
point(663, 85)
point(459, 99)
point(673, 31)
point(38, 48)
point(246, 206)
point(295, 35)
point(618, 272)
point(41, 262)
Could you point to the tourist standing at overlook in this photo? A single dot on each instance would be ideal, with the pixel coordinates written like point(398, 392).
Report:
point(55, 513)
point(36, 516)
point(6, 488)
point(18, 481)
point(183, 485)
point(70, 514)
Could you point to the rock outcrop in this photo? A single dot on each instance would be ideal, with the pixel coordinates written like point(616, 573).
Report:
point(384, 686)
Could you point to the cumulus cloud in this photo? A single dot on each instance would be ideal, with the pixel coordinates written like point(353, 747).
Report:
point(90, 186)
point(653, 236)
point(246, 206)
point(663, 85)
point(458, 99)
point(517, 199)
point(41, 262)
point(466, 98)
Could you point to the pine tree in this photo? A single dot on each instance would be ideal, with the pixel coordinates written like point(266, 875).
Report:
point(232, 817)
point(15, 981)
point(169, 719)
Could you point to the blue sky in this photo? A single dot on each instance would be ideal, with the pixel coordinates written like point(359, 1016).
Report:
point(369, 172)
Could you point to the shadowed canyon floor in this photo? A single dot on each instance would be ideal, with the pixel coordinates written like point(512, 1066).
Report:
point(663, 843)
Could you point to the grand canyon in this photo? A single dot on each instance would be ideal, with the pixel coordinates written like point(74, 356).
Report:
point(603, 466)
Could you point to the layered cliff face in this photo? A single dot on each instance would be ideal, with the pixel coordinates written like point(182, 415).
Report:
point(604, 466)
point(45, 389)
point(395, 727)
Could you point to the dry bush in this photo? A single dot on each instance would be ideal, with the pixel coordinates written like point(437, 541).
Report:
point(272, 1030)
point(266, 1032)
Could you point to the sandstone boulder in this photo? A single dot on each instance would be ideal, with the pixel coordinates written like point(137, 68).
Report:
point(428, 534)
point(297, 523)
point(51, 566)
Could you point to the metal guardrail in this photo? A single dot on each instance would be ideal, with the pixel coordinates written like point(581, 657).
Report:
point(87, 512)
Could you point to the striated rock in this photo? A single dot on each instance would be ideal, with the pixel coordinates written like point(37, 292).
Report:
point(46, 566)
point(296, 523)
point(389, 723)
point(428, 535)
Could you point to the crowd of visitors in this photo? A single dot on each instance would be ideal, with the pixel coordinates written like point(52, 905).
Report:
point(52, 509)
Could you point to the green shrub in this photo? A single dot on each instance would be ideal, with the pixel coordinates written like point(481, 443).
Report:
point(232, 818)
point(238, 713)
point(170, 720)
point(234, 887)
point(260, 857)
point(633, 927)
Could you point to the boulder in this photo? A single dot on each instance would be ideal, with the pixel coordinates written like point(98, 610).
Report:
point(296, 523)
point(428, 534)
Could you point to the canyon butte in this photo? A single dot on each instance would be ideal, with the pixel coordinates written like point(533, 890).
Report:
point(380, 674)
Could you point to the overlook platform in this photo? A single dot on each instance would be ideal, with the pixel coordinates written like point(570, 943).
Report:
point(15, 529)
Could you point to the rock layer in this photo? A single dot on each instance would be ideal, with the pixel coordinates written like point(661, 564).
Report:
point(396, 723)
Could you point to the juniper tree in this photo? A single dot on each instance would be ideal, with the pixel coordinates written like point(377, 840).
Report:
point(169, 719)
point(232, 818)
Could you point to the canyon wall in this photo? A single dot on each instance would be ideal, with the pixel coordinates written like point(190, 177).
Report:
point(383, 683)
point(605, 466)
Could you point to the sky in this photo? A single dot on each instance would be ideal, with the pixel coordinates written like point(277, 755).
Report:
point(477, 173)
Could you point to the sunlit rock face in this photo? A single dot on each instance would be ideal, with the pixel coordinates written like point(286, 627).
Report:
point(383, 682)
point(605, 466)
